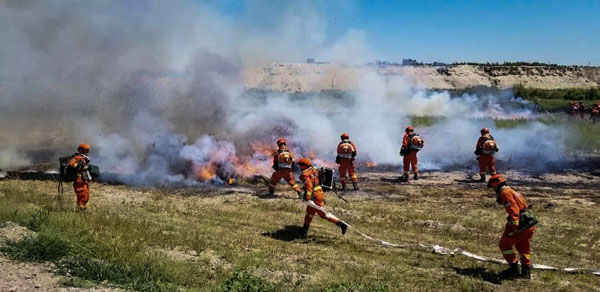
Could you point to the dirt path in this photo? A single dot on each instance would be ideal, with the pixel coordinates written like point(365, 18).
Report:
point(23, 276)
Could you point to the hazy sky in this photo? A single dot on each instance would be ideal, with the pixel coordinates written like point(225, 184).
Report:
point(564, 32)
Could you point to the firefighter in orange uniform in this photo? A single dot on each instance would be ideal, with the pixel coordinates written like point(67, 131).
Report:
point(573, 110)
point(485, 149)
point(313, 195)
point(411, 144)
point(595, 114)
point(346, 153)
point(518, 230)
point(283, 160)
point(81, 186)
point(582, 108)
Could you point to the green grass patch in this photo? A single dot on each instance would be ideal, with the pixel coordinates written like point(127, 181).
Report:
point(238, 242)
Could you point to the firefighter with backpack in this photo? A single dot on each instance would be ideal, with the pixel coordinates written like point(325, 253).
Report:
point(411, 144)
point(283, 161)
point(79, 165)
point(346, 153)
point(485, 149)
point(518, 231)
point(313, 196)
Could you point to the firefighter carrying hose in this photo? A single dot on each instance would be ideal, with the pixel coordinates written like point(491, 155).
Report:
point(518, 230)
point(346, 153)
point(411, 144)
point(283, 160)
point(485, 149)
point(80, 163)
point(313, 195)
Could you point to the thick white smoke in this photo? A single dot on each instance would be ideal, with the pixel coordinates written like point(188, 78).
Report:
point(155, 87)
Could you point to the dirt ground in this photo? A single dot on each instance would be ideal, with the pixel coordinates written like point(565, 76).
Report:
point(18, 276)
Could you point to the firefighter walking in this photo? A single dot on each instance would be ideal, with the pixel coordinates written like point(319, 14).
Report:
point(80, 163)
point(485, 149)
point(346, 153)
point(411, 144)
point(283, 161)
point(313, 196)
point(518, 231)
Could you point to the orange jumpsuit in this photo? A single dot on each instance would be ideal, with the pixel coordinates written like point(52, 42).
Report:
point(282, 163)
point(81, 183)
point(486, 161)
point(595, 114)
point(514, 202)
point(346, 152)
point(310, 177)
point(410, 158)
point(573, 110)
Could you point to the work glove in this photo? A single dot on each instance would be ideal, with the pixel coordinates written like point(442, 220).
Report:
point(338, 160)
point(477, 158)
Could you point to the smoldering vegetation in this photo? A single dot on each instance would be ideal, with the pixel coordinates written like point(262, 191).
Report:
point(157, 90)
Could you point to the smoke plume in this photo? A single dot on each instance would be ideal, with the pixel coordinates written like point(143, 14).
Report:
point(156, 88)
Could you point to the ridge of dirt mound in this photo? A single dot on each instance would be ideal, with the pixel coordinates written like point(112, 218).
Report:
point(298, 77)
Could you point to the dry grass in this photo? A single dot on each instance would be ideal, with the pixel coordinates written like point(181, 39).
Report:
point(220, 240)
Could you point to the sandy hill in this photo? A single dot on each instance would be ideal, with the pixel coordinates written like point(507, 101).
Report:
point(296, 77)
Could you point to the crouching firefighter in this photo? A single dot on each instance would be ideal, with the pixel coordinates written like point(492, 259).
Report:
point(80, 163)
point(411, 144)
point(518, 230)
point(346, 153)
point(485, 149)
point(313, 196)
point(283, 161)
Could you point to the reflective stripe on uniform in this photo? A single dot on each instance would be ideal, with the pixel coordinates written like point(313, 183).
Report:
point(527, 256)
point(284, 165)
point(515, 222)
point(345, 155)
point(317, 188)
point(510, 251)
point(354, 176)
point(295, 186)
point(309, 194)
point(329, 215)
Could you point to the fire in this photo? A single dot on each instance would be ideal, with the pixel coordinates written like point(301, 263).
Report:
point(231, 181)
point(205, 174)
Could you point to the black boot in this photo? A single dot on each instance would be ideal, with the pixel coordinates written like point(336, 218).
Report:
point(512, 272)
point(303, 231)
point(482, 178)
point(355, 185)
point(416, 176)
point(342, 226)
point(525, 272)
point(343, 187)
point(271, 194)
point(404, 178)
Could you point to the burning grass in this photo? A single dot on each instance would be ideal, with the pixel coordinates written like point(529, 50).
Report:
point(233, 241)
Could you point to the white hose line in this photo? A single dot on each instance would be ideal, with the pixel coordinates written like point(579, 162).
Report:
point(437, 249)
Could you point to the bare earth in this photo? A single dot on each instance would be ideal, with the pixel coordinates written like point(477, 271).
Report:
point(299, 77)
point(22, 276)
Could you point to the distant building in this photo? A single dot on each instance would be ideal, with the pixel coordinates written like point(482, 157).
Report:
point(310, 61)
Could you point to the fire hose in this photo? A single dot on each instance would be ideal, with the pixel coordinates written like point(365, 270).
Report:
point(438, 249)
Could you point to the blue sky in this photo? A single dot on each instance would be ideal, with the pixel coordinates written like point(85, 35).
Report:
point(564, 32)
